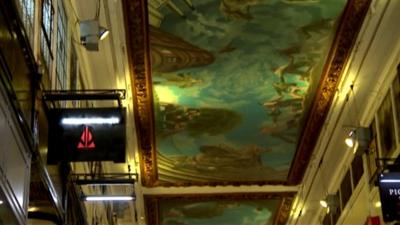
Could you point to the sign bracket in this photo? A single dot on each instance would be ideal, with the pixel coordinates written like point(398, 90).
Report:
point(53, 96)
point(388, 164)
point(104, 178)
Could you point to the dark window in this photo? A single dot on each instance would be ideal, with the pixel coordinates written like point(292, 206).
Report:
point(357, 169)
point(62, 37)
point(46, 33)
point(372, 154)
point(336, 210)
point(327, 219)
point(73, 83)
point(345, 189)
point(386, 125)
point(73, 74)
point(27, 10)
point(396, 90)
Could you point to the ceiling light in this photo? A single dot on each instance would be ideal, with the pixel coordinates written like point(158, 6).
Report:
point(109, 198)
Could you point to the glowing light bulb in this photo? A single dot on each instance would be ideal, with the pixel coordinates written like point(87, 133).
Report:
point(323, 203)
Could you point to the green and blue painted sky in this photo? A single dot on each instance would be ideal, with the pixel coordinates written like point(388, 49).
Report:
point(242, 79)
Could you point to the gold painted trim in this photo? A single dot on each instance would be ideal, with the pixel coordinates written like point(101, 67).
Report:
point(349, 27)
point(136, 31)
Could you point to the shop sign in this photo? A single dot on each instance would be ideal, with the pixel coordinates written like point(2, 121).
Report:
point(389, 190)
point(91, 134)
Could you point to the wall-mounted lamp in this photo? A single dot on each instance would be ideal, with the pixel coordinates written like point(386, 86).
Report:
point(331, 202)
point(377, 204)
point(323, 203)
point(103, 33)
point(90, 34)
point(351, 139)
point(360, 138)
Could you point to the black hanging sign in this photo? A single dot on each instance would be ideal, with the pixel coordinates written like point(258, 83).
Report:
point(90, 134)
point(389, 190)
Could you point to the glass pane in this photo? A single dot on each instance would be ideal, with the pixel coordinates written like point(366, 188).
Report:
point(327, 219)
point(61, 48)
point(396, 90)
point(345, 189)
point(357, 169)
point(386, 125)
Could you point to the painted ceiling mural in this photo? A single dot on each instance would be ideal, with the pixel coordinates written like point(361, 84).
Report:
point(218, 212)
point(233, 82)
point(226, 209)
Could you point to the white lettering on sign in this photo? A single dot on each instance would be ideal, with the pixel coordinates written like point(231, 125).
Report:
point(393, 191)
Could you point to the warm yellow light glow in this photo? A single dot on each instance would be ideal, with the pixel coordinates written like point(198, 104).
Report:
point(323, 203)
point(166, 95)
point(377, 204)
point(349, 142)
point(1, 202)
point(297, 213)
point(33, 209)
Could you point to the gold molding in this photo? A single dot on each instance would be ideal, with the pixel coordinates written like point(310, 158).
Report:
point(136, 31)
point(136, 28)
point(349, 27)
point(152, 203)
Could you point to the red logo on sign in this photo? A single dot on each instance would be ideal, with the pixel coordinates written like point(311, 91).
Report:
point(86, 141)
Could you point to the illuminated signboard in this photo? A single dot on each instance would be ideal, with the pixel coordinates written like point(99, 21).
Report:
point(389, 191)
point(94, 134)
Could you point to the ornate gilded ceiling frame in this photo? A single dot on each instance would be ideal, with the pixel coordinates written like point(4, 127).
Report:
point(137, 38)
point(136, 28)
point(346, 35)
point(152, 208)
